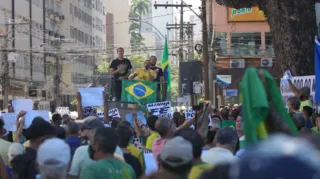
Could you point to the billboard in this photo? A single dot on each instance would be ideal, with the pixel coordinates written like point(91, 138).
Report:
point(253, 14)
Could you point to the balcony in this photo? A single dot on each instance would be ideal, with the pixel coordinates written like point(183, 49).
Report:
point(246, 50)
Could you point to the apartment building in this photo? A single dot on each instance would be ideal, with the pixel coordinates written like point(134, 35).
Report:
point(35, 30)
point(85, 25)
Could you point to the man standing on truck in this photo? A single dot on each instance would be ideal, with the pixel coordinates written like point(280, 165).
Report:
point(120, 69)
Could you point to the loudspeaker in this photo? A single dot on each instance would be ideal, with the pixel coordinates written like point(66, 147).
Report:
point(190, 72)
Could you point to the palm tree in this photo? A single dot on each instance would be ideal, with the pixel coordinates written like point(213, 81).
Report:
point(138, 9)
point(293, 28)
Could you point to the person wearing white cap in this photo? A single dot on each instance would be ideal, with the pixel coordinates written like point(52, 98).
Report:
point(15, 149)
point(53, 158)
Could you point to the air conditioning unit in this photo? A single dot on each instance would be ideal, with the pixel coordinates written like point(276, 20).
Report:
point(266, 62)
point(237, 63)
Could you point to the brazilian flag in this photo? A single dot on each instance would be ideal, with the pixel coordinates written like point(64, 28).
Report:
point(141, 92)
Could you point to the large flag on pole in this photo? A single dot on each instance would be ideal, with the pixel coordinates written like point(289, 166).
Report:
point(166, 65)
point(317, 68)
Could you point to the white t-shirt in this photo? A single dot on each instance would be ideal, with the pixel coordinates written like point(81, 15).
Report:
point(81, 159)
point(217, 156)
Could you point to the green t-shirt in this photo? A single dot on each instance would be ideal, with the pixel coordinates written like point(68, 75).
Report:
point(108, 169)
point(228, 123)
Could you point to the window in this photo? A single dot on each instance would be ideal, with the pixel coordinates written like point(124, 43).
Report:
point(221, 43)
point(71, 9)
point(246, 44)
point(269, 47)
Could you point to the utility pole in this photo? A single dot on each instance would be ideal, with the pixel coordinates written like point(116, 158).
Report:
point(181, 6)
point(30, 40)
point(211, 57)
point(205, 50)
point(5, 75)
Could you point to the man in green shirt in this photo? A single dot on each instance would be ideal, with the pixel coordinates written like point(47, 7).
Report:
point(226, 122)
point(101, 149)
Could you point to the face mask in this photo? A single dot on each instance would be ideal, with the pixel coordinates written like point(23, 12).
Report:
point(91, 152)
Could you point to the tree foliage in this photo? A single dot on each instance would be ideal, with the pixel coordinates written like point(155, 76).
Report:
point(138, 9)
point(293, 28)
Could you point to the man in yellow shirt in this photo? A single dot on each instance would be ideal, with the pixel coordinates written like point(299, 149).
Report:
point(303, 94)
point(145, 74)
point(198, 166)
point(151, 121)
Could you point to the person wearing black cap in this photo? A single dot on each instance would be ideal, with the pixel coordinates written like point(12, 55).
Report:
point(24, 165)
point(81, 158)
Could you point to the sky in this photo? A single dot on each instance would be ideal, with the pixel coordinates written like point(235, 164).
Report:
point(195, 6)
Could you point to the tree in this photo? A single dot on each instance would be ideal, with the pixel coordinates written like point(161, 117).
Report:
point(293, 28)
point(138, 9)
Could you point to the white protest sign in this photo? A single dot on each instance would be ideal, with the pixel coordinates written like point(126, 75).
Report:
point(162, 109)
point(63, 110)
point(22, 104)
point(151, 165)
point(113, 113)
point(298, 82)
point(189, 114)
point(91, 96)
point(9, 120)
point(30, 115)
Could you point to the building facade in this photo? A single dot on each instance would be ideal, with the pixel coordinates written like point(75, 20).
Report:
point(32, 41)
point(85, 30)
point(242, 39)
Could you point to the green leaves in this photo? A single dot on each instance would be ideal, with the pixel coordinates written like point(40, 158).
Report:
point(138, 9)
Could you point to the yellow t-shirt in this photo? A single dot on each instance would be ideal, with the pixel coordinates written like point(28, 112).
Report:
point(26, 144)
point(305, 103)
point(137, 153)
point(151, 139)
point(144, 74)
point(198, 169)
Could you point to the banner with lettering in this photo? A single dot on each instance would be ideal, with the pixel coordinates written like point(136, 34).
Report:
point(189, 114)
point(299, 82)
point(161, 109)
point(113, 113)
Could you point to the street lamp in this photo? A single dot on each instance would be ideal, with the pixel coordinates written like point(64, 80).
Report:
point(135, 19)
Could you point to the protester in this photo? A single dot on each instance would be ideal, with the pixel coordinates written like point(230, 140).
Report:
point(120, 69)
point(198, 166)
point(24, 166)
point(73, 139)
point(303, 94)
point(151, 122)
point(103, 146)
point(81, 158)
point(241, 136)
point(124, 134)
point(53, 159)
point(132, 149)
point(299, 120)
point(15, 149)
point(307, 112)
point(3, 171)
point(4, 145)
point(226, 140)
point(145, 74)
point(209, 144)
point(175, 159)
point(166, 129)
point(226, 122)
point(316, 124)
point(293, 105)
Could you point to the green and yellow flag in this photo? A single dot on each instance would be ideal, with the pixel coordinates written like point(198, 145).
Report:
point(166, 65)
point(141, 92)
point(263, 111)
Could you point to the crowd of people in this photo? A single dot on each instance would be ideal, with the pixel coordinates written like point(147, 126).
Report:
point(94, 150)
point(212, 144)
